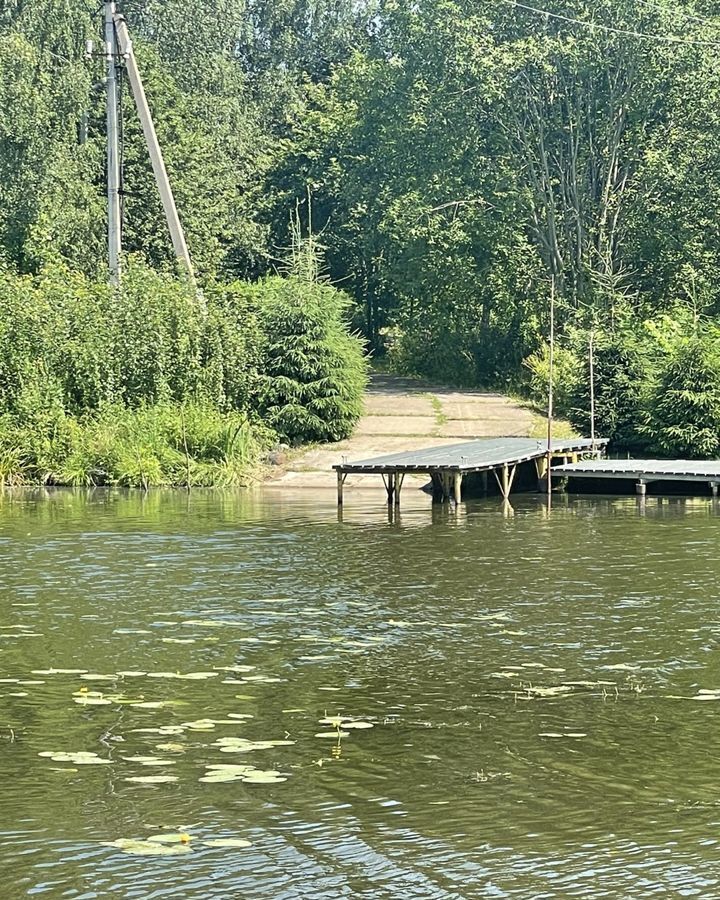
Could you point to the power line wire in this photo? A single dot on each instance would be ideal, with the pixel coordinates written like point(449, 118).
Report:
point(700, 20)
point(660, 38)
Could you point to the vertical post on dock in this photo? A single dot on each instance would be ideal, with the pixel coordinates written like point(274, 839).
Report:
point(340, 485)
point(398, 487)
point(505, 482)
point(592, 388)
point(444, 483)
point(551, 376)
point(390, 487)
point(714, 489)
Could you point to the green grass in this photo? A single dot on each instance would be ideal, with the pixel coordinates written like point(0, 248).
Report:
point(179, 445)
point(440, 417)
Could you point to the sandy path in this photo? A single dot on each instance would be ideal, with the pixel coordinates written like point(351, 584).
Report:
point(401, 414)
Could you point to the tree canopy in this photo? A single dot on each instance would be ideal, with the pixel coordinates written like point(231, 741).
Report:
point(451, 156)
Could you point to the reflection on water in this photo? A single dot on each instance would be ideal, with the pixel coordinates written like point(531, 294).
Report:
point(540, 686)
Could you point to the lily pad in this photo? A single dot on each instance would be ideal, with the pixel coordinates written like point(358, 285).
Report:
point(163, 729)
point(179, 838)
point(268, 777)
point(235, 668)
point(227, 842)
point(79, 757)
point(59, 671)
point(243, 745)
point(147, 848)
point(88, 700)
point(220, 778)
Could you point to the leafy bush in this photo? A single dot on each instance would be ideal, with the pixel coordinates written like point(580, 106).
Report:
point(313, 372)
point(158, 385)
point(684, 413)
point(567, 373)
point(623, 371)
point(156, 342)
point(167, 444)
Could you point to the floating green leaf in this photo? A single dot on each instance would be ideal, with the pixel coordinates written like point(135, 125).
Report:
point(147, 848)
point(227, 842)
point(269, 777)
point(59, 671)
point(179, 838)
point(79, 757)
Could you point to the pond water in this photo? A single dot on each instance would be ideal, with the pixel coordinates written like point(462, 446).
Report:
point(540, 689)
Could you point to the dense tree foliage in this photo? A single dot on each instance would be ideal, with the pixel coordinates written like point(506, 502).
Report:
point(164, 386)
point(454, 155)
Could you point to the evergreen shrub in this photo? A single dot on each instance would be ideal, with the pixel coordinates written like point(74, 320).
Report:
point(312, 371)
point(684, 413)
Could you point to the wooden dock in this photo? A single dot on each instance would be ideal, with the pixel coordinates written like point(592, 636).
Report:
point(646, 471)
point(448, 466)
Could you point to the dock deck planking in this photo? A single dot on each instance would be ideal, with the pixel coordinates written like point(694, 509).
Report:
point(448, 464)
point(646, 471)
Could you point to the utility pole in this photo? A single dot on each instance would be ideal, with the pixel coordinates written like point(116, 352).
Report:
point(551, 385)
point(113, 148)
point(592, 386)
point(166, 195)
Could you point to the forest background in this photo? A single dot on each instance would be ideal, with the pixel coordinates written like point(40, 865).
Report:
point(422, 170)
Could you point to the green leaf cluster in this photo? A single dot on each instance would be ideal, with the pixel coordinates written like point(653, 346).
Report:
point(158, 384)
point(314, 371)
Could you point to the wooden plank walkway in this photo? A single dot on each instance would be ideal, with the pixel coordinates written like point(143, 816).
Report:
point(448, 465)
point(646, 471)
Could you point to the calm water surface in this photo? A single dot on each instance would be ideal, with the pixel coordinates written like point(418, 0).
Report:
point(534, 683)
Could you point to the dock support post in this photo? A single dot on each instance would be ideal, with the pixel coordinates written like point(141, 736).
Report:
point(484, 482)
point(398, 487)
point(641, 488)
point(714, 489)
point(505, 479)
point(388, 481)
point(541, 468)
point(341, 476)
point(457, 485)
point(442, 482)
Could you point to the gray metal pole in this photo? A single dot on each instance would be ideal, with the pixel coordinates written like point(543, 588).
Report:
point(551, 384)
point(113, 149)
point(592, 387)
point(156, 157)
